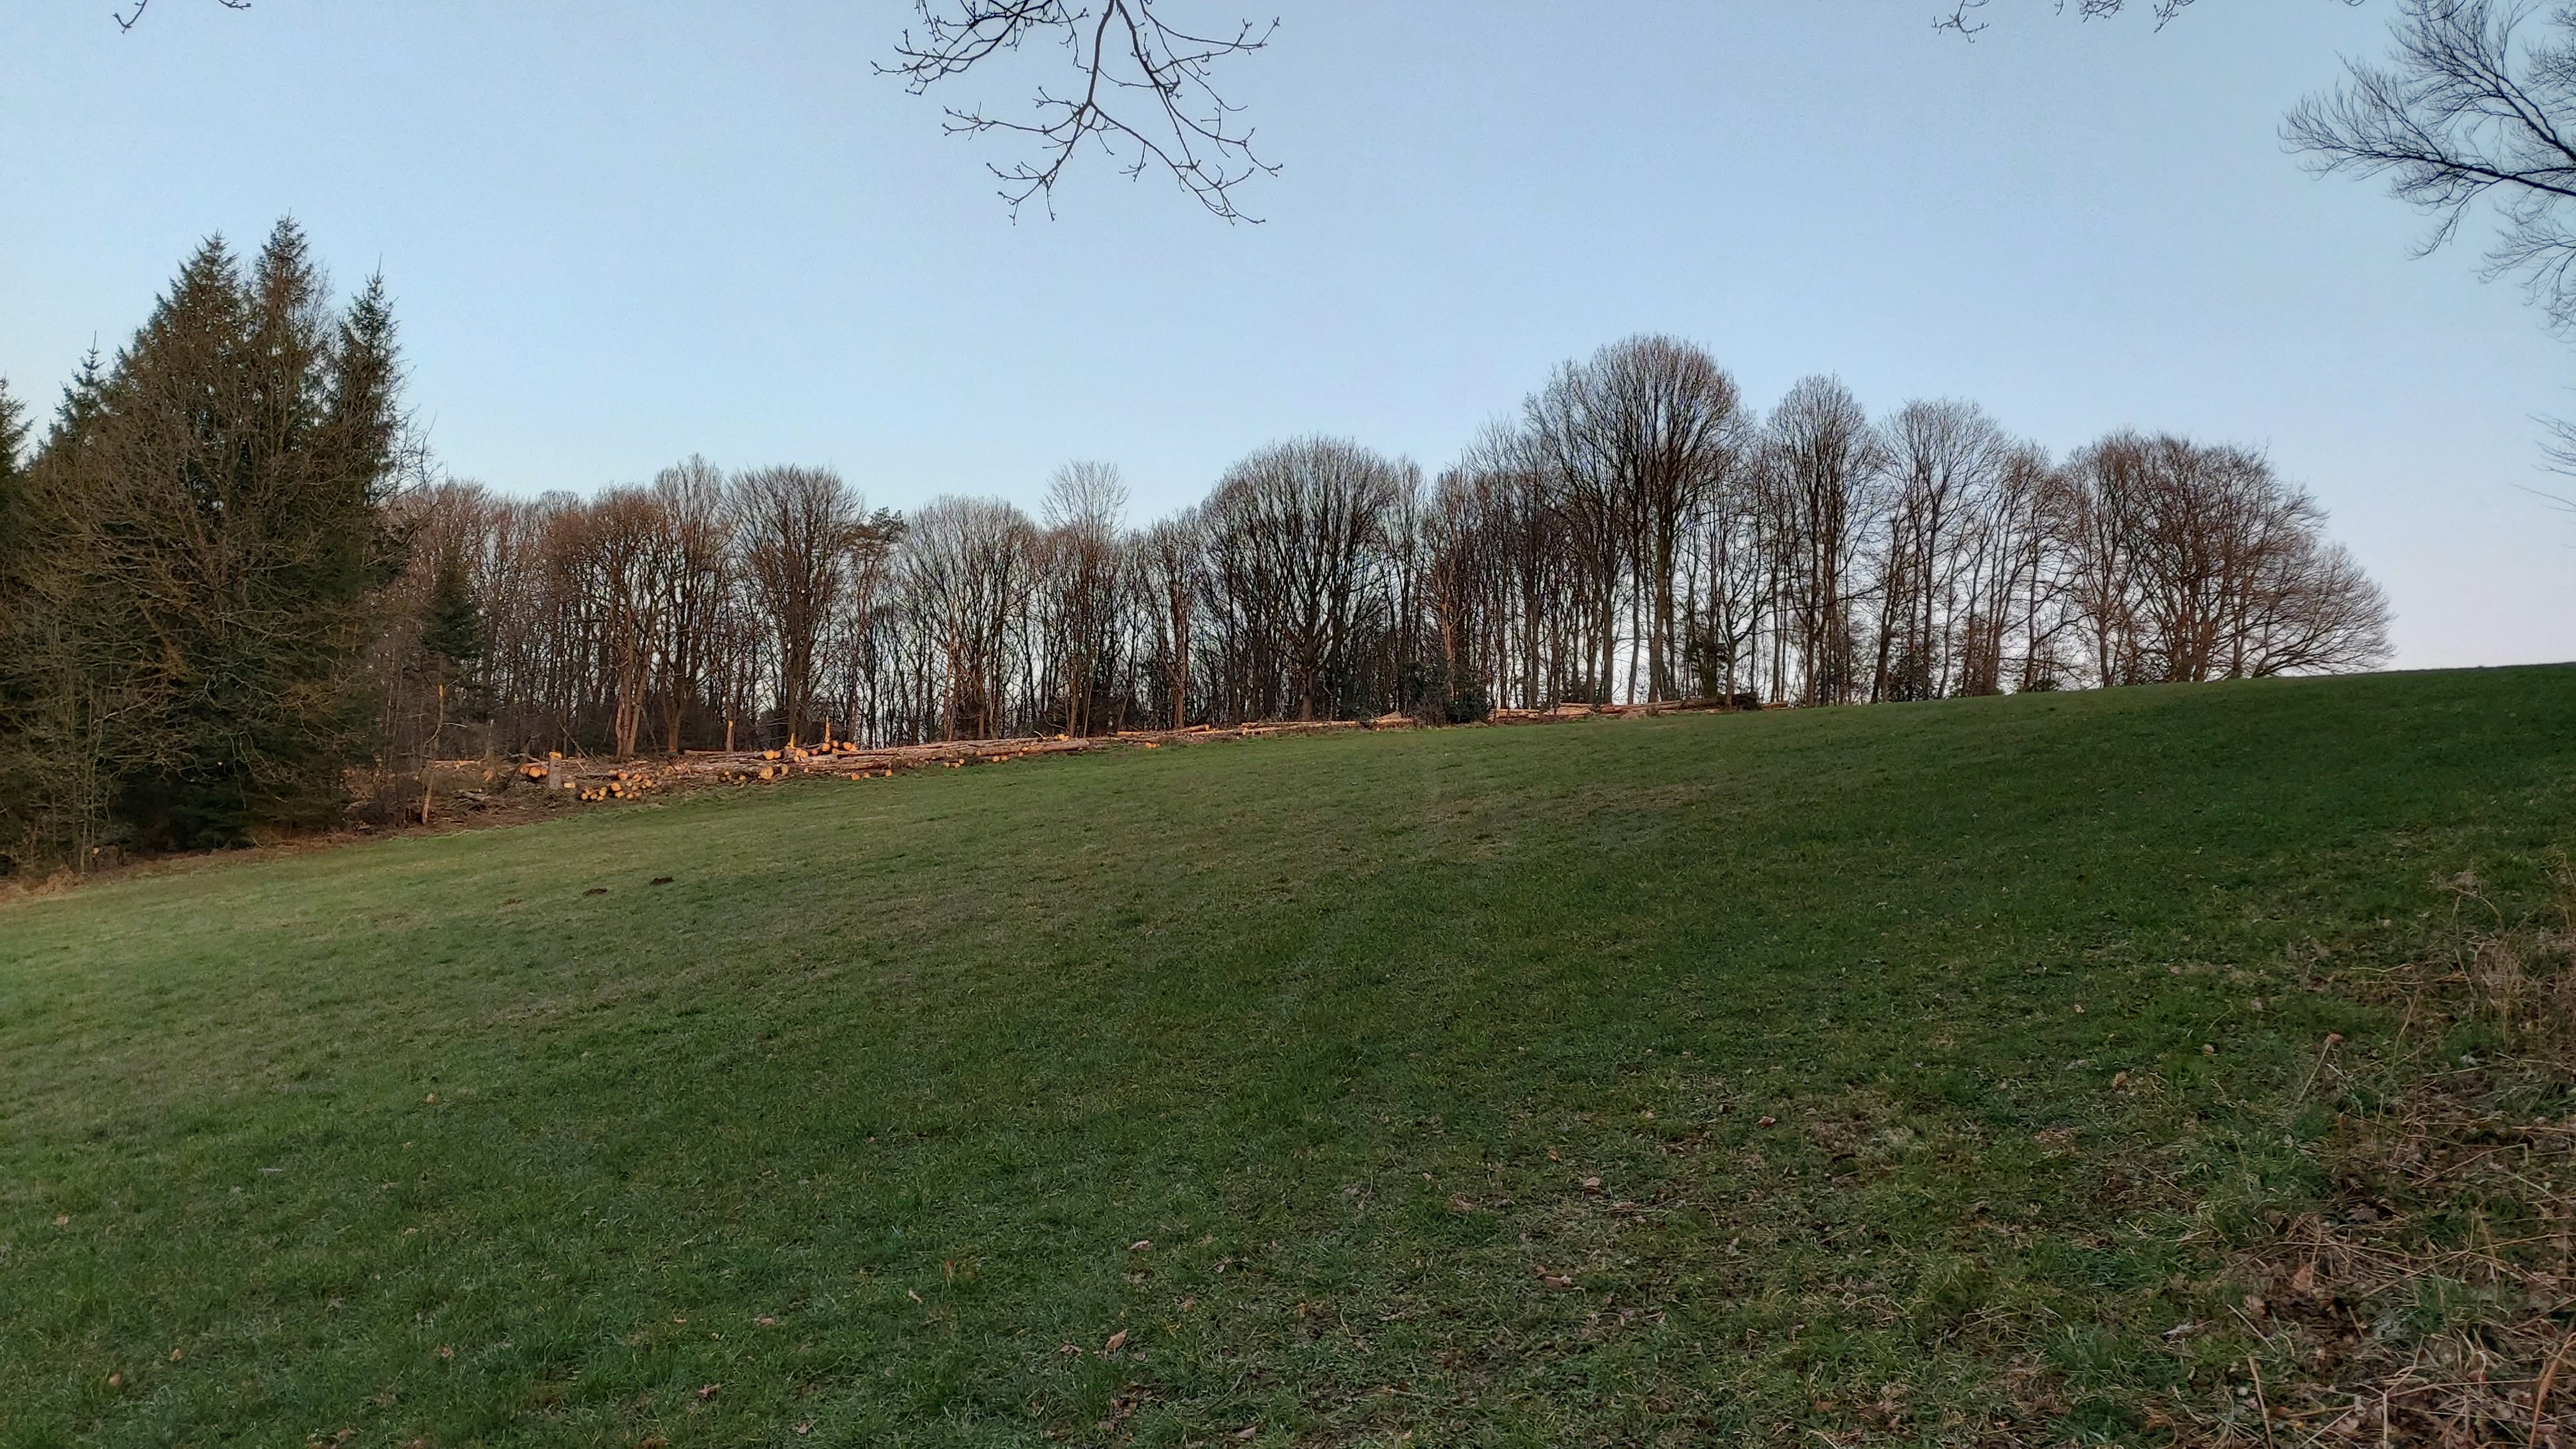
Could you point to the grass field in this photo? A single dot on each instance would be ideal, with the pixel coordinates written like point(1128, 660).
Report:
point(1899, 1074)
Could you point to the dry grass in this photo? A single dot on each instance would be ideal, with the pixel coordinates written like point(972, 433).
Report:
point(2433, 1298)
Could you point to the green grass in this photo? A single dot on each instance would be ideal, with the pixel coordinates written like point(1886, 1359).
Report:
point(859, 1117)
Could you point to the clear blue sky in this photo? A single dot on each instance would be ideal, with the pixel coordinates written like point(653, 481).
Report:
point(619, 234)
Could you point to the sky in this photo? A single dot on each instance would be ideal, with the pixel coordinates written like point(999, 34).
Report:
point(620, 234)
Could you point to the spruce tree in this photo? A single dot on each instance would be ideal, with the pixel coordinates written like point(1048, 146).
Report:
point(13, 444)
point(452, 623)
point(13, 693)
point(451, 644)
point(206, 521)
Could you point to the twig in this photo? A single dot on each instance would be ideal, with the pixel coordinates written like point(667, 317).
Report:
point(2262, 1411)
point(2548, 1378)
point(2333, 1039)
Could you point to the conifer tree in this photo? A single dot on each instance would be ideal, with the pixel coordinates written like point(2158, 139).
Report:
point(206, 520)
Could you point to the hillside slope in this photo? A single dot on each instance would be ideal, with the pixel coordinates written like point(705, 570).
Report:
point(1902, 1072)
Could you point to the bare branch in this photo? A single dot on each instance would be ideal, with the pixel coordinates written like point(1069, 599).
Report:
point(1961, 12)
point(128, 19)
point(2469, 108)
point(1122, 50)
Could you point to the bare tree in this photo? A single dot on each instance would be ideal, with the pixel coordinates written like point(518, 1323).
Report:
point(1171, 571)
point(1945, 460)
point(966, 571)
point(797, 526)
point(1294, 532)
point(1085, 565)
point(1822, 462)
point(2197, 562)
point(698, 584)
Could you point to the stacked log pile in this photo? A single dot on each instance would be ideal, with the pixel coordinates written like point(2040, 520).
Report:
point(597, 781)
point(1563, 712)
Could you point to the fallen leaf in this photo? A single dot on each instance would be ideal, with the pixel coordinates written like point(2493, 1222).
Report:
point(62, 1220)
point(116, 1381)
point(444, 1351)
point(915, 1297)
point(1140, 1245)
point(1556, 1280)
point(805, 1428)
point(766, 1322)
point(1116, 1341)
point(2119, 1080)
point(175, 1355)
point(1767, 1121)
point(1247, 1431)
point(1591, 1184)
point(709, 1391)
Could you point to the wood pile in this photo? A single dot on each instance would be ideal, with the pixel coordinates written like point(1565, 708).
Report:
point(595, 782)
point(1255, 730)
point(1575, 710)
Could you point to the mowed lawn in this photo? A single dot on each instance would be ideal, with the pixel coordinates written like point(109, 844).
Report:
point(1711, 1078)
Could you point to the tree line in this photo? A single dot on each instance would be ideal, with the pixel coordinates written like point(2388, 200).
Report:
point(1636, 533)
point(226, 580)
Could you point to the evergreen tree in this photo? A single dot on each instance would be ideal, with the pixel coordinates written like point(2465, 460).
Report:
point(451, 646)
point(206, 519)
point(13, 531)
point(13, 443)
point(452, 623)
